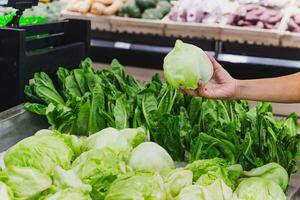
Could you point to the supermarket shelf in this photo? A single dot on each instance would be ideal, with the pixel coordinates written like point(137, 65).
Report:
point(221, 57)
point(138, 52)
point(167, 28)
point(259, 61)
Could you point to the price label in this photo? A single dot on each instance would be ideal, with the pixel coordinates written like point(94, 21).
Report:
point(122, 45)
point(3, 2)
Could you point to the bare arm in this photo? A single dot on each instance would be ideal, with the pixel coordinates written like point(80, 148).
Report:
point(285, 89)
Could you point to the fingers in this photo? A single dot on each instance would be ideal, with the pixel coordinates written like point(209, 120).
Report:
point(189, 91)
point(200, 91)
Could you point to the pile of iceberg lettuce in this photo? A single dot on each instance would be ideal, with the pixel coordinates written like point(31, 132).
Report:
point(122, 165)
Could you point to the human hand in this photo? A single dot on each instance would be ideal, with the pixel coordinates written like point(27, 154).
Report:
point(221, 85)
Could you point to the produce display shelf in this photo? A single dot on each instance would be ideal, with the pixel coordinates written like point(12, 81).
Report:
point(17, 124)
point(165, 27)
point(250, 35)
point(183, 29)
point(98, 22)
point(132, 25)
point(289, 39)
point(241, 60)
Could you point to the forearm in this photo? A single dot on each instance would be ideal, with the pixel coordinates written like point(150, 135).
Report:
point(285, 89)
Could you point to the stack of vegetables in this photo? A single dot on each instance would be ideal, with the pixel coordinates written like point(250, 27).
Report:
point(86, 101)
point(146, 9)
point(96, 7)
point(5, 19)
point(37, 14)
point(120, 165)
point(266, 14)
point(233, 147)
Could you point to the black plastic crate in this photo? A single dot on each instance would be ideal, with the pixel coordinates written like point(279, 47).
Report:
point(40, 47)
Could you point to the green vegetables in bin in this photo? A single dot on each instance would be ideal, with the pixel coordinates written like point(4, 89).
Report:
point(146, 171)
point(68, 194)
point(5, 19)
point(42, 152)
point(271, 171)
point(142, 185)
point(99, 169)
point(259, 189)
point(145, 4)
point(217, 190)
point(25, 182)
point(150, 156)
point(152, 13)
point(176, 180)
point(188, 128)
point(146, 9)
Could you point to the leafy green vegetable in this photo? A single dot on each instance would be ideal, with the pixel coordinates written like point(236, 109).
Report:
point(191, 192)
point(64, 179)
point(150, 156)
point(106, 138)
point(145, 4)
point(164, 7)
point(134, 136)
point(189, 128)
point(99, 168)
point(217, 190)
point(143, 185)
point(5, 192)
point(68, 194)
point(152, 13)
point(26, 182)
point(205, 172)
point(273, 172)
point(176, 181)
point(259, 189)
point(186, 65)
point(42, 152)
point(96, 121)
point(130, 9)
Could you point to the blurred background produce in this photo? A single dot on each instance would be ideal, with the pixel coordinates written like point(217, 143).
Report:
point(96, 7)
point(146, 9)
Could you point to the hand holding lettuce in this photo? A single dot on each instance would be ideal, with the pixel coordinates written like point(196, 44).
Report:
point(218, 138)
point(89, 101)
